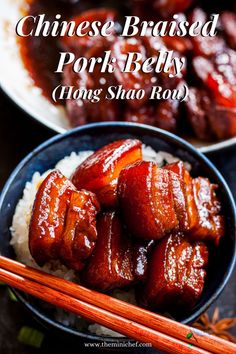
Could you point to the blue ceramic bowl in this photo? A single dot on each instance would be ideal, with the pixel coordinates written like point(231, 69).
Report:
point(92, 137)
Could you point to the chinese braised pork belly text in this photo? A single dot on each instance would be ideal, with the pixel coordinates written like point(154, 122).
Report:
point(122, 222)
point(209, 113)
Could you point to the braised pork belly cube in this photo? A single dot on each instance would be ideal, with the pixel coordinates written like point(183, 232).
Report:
point(143, 115)
point(228, 21)
point(218, 77)
point(79, 44)
point(207, 119)
point(104, 109)
point(222, 121)
point(178, 179)
point(155, 201)
point(111, 264)
point(176, 274)
point(100, 171)
point(167, 114)
point(187, 209)
point(197, 107)
point(181, 45)
point(77, 110)
point(63, 223)
point(85, 108)
point(203, 220)
point(154, 44)
point(131, 80)
point(209, 224)
point(146, 200)
point(205, 46)
point(170, 7)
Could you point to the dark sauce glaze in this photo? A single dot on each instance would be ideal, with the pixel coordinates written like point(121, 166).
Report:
point(40, 55)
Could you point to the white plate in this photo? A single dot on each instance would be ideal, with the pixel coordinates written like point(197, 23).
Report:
point(15, 80)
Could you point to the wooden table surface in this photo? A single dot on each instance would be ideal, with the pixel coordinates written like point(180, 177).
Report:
point(19, 134)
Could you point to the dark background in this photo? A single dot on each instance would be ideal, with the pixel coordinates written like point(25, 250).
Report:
point(19, 134)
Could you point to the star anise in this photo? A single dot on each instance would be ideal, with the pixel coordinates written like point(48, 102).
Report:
point(216, 326)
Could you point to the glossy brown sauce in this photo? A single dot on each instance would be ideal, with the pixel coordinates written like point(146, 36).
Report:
point(40, 55)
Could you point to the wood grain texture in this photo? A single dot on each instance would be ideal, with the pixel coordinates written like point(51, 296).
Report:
point(163, 333)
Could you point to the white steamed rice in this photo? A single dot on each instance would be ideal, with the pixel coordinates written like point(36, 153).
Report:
point(20, 225)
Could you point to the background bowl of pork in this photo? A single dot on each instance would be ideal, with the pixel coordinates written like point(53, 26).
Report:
point(27, 67)
point(92, 137)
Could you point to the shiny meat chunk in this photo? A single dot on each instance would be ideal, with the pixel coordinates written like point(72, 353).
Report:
point(100, 171)
point(205, 46)
point(207, 119)
point(176, 274)
point(208, 225)
point(77, 110)
point(143, 115)
point(146, 200)
point(155, 201)
point(79, 44)
point(181, 45)
point(131, 80)
point(167, 8)
point(228, 22)
point(197, 108)
point(167, 114)
point(111, 264)
point(203, 207)
point(90, 105)
point(218, 78)
point(178, 185)
point(103, 109)
point(155, 44)
point(211, 110)
point(184, 202)
point(63, 223)
point(223, 121)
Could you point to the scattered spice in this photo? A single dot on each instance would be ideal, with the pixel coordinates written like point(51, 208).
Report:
point(216, 326)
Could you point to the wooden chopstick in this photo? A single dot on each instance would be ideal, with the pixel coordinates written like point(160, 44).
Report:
point(168, 327)
point(134, 313)
point(124, 326)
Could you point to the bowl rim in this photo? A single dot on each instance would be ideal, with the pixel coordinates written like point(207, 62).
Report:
point(146, 129)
